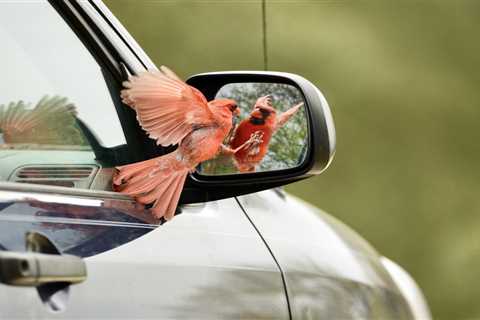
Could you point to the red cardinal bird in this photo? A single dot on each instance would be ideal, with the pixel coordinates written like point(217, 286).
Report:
point(171, 112)
point(258, 128)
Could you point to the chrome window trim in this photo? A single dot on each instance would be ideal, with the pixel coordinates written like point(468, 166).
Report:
point(123, 43)
point(93, 34)
point(27, 188)
point(13, 196)
point(123, 34)
point(24, 192)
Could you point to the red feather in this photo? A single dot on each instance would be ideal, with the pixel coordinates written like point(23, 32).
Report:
point(246, 159)
point(171, 112)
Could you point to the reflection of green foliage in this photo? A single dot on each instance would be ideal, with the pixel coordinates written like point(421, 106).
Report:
point(287, 146)
point(51, 121)
point(221, 164)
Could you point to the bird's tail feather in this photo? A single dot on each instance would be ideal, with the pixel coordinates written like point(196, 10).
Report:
point(159, 181)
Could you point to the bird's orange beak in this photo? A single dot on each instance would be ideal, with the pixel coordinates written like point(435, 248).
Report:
point(236, 111)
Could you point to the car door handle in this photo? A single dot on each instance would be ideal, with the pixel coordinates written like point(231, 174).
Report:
point(34, 269)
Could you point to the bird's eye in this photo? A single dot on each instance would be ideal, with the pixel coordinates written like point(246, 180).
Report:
point(264, 112)
point(233, 107)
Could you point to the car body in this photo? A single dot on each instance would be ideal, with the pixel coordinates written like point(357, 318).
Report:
point(265, 255)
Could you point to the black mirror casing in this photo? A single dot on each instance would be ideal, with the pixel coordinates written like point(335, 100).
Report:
point(321, 139)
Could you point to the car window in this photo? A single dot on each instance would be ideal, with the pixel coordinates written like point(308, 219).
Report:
point(55, 106)
point(56, 112)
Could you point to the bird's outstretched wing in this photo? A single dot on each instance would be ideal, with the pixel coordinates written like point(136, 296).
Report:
point(167, 108)
point(16, 117)
point(284, 117)
point(18, 120)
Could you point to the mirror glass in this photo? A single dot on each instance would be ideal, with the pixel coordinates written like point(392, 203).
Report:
point(271, 132)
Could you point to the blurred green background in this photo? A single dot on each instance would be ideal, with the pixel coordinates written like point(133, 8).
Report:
point(401, 78)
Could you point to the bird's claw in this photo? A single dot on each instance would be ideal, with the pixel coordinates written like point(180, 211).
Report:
point(256, 138)
point(253, 142)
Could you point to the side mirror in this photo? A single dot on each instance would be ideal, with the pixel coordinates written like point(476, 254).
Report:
point(285, 133)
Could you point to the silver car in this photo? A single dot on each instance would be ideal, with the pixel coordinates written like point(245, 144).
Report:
point(238, 247)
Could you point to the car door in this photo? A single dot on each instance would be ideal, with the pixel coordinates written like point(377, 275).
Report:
point(63, 129)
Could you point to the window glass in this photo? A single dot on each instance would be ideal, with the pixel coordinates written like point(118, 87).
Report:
point(53, 101)
point(46, 63)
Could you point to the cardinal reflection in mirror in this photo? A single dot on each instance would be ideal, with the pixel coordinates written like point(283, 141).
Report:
point(272, 133)
point(250, 140)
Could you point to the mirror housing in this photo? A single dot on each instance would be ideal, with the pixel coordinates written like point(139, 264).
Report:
point(321, 139)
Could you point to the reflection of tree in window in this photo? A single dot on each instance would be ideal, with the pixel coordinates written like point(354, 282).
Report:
point(51, 122)
point(286, 148)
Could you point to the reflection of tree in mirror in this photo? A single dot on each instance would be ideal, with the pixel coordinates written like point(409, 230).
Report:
point(287, 146)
